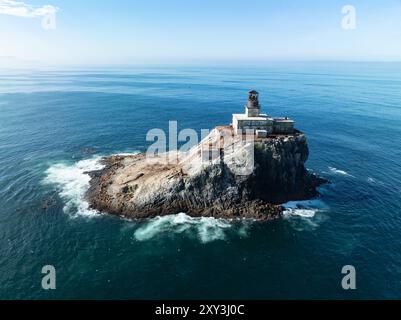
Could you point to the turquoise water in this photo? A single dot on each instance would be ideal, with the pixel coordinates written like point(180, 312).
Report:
point(54, 124)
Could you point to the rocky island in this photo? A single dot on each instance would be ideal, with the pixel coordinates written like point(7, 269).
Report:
point(244, 170)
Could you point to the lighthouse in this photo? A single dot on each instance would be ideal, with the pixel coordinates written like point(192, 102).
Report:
point(260, 124)
point(252, 108)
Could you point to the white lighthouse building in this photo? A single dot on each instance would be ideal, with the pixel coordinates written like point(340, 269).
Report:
point(260, 124)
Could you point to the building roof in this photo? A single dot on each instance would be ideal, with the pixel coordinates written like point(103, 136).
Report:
point(261, 117)
point(283, 120)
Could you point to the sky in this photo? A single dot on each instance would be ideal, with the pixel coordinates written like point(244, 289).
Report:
point(119, 32)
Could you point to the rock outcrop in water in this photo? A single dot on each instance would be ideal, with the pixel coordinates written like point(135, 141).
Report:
point(138, 187)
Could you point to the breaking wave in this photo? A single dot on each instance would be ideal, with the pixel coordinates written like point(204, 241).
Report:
point(207, 229)
point(339, 172)
point(72, 181)
point(302, 215)
point(304, 209)
point(126, 153)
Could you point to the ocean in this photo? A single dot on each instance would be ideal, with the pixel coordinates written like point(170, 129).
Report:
point(55, 125)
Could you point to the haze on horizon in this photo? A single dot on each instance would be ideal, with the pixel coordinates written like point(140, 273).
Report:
point(121, 32)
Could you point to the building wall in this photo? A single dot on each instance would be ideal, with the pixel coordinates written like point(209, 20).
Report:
point(278, 125)
point(285, 127)
point(252, 112)
point(235, 124)
point(253, 125)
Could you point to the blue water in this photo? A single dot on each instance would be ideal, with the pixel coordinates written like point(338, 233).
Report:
point(54, 124)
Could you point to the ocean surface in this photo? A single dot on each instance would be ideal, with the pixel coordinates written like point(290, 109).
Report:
point(56, 124)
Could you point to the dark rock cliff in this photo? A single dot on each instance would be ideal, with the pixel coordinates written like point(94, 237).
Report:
point(280, 174)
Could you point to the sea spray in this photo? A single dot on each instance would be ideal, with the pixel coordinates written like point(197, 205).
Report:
point(305, 209)
point(339, 172)
point(305, 215)
point(72, 181)
point(206, 229)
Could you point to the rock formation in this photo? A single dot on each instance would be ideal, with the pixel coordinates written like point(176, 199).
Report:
point(243, 181)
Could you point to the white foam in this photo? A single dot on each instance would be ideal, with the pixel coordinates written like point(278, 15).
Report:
point(339, 172)
point(304, 209)
point(305, 213)
point(207, 229)
point(72, 183)
point(125, 154)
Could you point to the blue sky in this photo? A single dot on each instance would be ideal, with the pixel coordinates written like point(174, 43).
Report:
point(178, 31)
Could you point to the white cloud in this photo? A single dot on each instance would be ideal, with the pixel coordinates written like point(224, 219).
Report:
point(21, 9)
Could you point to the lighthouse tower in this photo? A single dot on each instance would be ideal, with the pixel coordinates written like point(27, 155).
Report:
point(252, 108)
